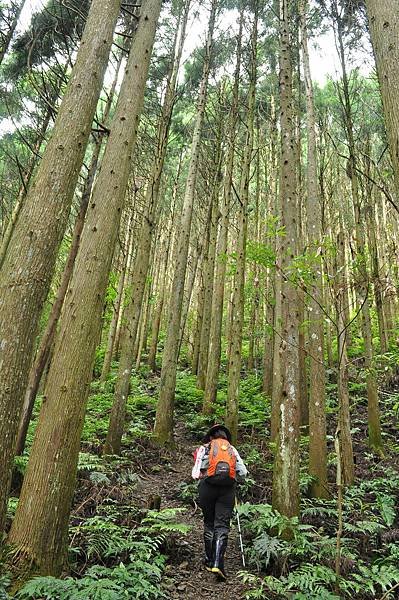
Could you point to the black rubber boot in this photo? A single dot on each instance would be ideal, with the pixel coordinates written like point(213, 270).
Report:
point(220, 545)
point(208, 543)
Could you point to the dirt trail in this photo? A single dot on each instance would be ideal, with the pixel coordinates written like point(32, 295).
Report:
point(185, 576)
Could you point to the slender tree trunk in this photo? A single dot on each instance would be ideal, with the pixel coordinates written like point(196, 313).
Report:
point(25, 275)
point(383, 16)
point(39, 531)
point(209, 274)
point(271, 297)
point(317, 408)
point(136, 212)
point(130, 319)
point(362, 278)
point(193, 262)
point(198, 323)
point(164, 416)
point(233, 382)
point(286, 464)
point(253, 323)
point(220, 274)
point(375, 273)
point(156, 322)
point(303, 370)
point(143, 328)
point(276, 339)
point(348, 468)
point(118, 304)
point(267, 378)
point(133, 309)
point(252, 330)
point(389, 290)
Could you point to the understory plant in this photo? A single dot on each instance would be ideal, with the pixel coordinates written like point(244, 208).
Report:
point(132, 561)
point(301, 565)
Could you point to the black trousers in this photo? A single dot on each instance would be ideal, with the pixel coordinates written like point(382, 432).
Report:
point(217, 503)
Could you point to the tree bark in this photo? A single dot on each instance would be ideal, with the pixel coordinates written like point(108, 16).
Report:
point(362, 276)
point(317, 401)
point(39, 531)
point(383, 19)
point(286, 465)
point(28, 266)
point(268, 322)
point(375, 269)
point(234, 373)
point(209, 274)
point(133, 309)
point(116, 313)
point(163, 429)
point(47, 340)
point(220, 274)
point(252, 329)
point(198, 322)
point(156, 323)
point(344, 420)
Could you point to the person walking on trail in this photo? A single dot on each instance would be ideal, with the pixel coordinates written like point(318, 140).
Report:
point(218, 467)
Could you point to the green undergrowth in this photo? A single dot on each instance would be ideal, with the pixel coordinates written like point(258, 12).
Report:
point(304, 567)
point(254, 413)
point(131, 560)
point(119, 550)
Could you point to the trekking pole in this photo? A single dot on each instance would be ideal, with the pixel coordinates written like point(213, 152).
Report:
point(240, 535)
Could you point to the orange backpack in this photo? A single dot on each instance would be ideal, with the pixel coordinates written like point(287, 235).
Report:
point(222, 462)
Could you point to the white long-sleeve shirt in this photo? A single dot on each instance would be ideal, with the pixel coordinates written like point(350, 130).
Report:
point(202, 462)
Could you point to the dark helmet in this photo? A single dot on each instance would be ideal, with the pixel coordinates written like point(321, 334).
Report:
point(214, 429)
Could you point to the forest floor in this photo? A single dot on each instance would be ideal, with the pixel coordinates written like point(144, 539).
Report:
point(185, 575)
point(114, 497)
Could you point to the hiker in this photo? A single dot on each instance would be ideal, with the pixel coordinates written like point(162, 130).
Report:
point(218, 467)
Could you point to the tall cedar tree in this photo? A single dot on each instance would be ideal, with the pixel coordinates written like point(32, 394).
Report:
point(237, 323)
point(317, 402)
point(383, 18)
point(39, 532)
point(164, 416)
point(286, 463)
point(215, 340)
point(133, 308)
point(26, 272)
